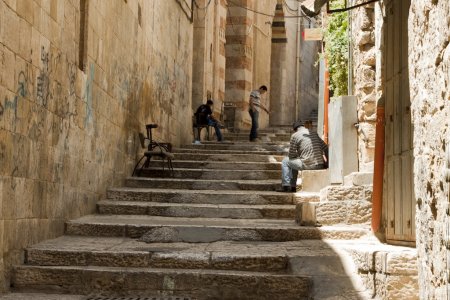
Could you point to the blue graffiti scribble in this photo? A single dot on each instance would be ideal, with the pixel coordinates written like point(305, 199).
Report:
point(21, 91)
point(88, 94)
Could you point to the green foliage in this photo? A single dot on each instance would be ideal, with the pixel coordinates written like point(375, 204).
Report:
point(336, 52)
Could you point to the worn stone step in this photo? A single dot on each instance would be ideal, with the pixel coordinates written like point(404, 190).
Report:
point(212, 174)
point(250, 158)
point(220, 165)
point(203, 184)
point(261, 152)
point(238, 146)
point(233, 211)
point(203, 230)
point(126, 252)
point(264, 138)
point(198, 284)
point(200, 196)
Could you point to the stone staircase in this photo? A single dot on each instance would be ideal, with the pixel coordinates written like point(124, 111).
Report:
point(216, 229)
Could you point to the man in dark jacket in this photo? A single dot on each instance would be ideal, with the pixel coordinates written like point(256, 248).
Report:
point(204, 115)
point(307, 151)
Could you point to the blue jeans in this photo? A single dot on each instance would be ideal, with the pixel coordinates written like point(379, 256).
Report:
point(289, 171)
point(216, 128)
point(254, 131)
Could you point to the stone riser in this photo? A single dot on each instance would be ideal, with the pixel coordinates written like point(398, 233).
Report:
point(197, 211)
point(202, 234)
point(262, 138)
point(334, 212)
point(165, 260)
point(203, 184)
point(228, 158)
point(198, 284)
point(344, 212)
point(261, 152)
point(211, 197)
point(212, 174)
point(219, 165)
point(236, 147)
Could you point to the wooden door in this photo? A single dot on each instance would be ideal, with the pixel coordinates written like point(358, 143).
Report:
point(398, 188)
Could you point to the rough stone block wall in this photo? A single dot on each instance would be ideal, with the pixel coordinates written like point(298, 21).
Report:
point(429, 75)
point(284, 66)
point(364, 71)
point(66, 134)
point(309, 74)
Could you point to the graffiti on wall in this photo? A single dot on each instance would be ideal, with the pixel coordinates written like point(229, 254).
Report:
point(21, 92)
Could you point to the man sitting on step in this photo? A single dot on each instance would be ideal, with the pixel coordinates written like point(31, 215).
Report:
point(307, 151)
point(204, 114)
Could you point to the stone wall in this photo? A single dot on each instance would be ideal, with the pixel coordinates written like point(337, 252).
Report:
point(429, 61)
point(308, 90)
point(209, 54)
point(248, 52)
point(363, 67)
point(284, 65)
point(66, 134)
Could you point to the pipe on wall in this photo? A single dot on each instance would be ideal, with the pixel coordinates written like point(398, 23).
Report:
point(378, 172)
point(326, 98)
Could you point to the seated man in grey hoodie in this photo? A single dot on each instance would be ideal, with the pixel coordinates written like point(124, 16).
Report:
point(307, 151)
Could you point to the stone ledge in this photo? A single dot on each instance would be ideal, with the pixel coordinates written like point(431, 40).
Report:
point(314, 180)
point(333, 212)
point(341, 192)
point(358, 179)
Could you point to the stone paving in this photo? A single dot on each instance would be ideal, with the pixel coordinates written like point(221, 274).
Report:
point(201, 236)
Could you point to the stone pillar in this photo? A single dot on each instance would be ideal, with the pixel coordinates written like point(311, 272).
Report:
point(239, 60)
point(209, 54)
point(364, 61)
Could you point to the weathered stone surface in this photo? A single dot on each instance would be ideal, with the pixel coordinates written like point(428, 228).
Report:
point(197, 210)
point(165, 229)
point(199, 284)
point(359, 178)
point(429, 91)
point(300, 197)
point(314, 180)
point(209, 174)
point(203, 196)
point(347, 212)
point(339, 193)
point(204, 184)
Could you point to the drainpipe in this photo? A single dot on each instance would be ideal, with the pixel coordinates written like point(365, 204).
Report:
point(297, 64)
point(326, 96)
point(377, 194)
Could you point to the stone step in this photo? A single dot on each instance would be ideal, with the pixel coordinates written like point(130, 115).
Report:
point(250, 158)
point(266, 134)
point(200, 196)
point(198, 284)
point(253, 147)
point(268, 138)
point(203, 230)
point(233, 211)
point(212, 174)
point(125, 252)
point(261, 152)
point(204, 184)
point(220, 165)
